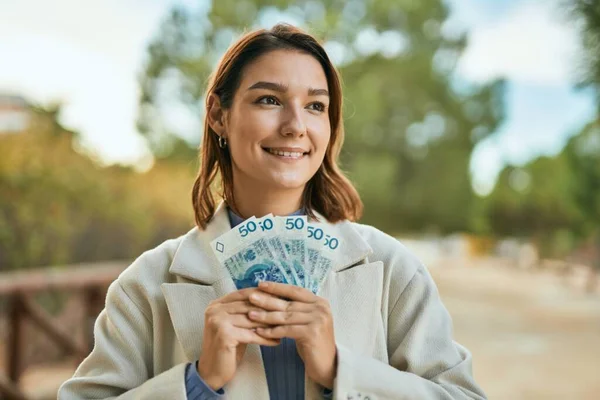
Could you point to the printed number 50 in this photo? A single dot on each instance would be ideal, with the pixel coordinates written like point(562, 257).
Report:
point(247, 228)
point(292, 223)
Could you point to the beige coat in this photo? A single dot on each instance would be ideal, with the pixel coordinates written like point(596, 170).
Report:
point(393, 334)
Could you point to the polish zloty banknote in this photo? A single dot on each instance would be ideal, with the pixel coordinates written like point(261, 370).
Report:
point(293, 231)
point(312, 260)
point(245, 252)
point(275, 241)
point(321, 251)
point(324, 265)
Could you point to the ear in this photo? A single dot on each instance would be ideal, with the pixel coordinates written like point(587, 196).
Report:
point(216, 114)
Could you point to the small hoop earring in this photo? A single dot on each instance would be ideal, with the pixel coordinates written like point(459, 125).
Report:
point(222, 142)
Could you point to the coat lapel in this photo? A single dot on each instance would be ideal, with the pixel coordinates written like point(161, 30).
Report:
point(194, 259)
point(353, 249)
point(201, 279)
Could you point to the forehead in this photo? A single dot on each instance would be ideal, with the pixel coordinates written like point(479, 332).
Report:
point(292, 68)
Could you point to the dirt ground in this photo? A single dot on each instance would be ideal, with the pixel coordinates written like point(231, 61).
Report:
point(532, 336)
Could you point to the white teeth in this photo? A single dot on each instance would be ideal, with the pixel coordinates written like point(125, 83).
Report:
point(294, 154)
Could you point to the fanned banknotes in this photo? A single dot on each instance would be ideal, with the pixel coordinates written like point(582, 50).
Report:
point(278, 249)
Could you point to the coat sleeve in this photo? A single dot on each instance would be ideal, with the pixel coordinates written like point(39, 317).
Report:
point(120, 365)
point(424, 361)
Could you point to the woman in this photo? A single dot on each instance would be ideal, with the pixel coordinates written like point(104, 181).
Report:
point(174, 326)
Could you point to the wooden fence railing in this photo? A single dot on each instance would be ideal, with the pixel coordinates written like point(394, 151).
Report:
point(90, 281)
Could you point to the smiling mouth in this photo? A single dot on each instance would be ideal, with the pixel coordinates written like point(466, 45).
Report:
point(285, 154)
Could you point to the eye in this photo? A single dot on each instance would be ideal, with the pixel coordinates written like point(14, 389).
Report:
point(269, 100)
point(318, 106)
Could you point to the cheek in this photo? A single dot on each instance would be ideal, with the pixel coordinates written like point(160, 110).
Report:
point(256, 125)
point(321, 137)
point(248, 123)
point(248, 132)
point(244, 136)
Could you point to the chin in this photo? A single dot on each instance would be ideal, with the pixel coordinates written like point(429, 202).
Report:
point(289, 180)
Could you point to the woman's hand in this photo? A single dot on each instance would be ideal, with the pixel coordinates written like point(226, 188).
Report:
point(227, 331)
point(299, 314)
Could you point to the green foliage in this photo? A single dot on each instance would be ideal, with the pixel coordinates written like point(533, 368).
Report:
point(583, 152)
point(57, 207)
point(557, 199)
point(586, 14)
point(554, 199)
point(401, 112)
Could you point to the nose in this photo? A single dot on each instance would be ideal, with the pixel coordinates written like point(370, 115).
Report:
point(293, 124)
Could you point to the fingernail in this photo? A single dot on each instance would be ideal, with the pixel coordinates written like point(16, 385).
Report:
point(254, 296)
point(263, 284)
point(253, 314)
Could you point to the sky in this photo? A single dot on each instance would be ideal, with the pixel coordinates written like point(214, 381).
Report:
point(529, 44)
point(88, 56)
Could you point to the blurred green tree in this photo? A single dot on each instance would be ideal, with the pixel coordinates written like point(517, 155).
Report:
point(584, 149)
point(555, 200)
point(583, 152)
point(536, 200)
point(410, 126)
point(586, 15)
point(57, 206)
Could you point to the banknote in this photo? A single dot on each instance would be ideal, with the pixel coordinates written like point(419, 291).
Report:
point(279, 249)
point(293, 231)
point(275, 241)
point(321, 247)
point(245, 252)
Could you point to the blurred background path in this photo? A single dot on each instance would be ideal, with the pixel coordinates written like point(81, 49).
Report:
point(531, 336)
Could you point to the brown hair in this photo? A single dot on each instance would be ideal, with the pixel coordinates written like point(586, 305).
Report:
point(328, 192)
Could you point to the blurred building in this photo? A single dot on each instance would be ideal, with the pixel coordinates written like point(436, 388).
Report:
point(14, 113)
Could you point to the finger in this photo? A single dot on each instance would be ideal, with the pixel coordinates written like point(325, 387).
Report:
point(291, 292)
point(269, 302)
point(239, 307)
point(278, 332)
point(266, 301)
point(281, 317)
point(238, 295)
point(242, 321)
point(248, 336)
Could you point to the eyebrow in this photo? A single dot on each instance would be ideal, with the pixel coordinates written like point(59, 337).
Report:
point(279, 87)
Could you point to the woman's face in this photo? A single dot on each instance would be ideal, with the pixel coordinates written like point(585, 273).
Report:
point(278, 127)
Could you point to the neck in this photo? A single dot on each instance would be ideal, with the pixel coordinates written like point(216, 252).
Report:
point(256, 200)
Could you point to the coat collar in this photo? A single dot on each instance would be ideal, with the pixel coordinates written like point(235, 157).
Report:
point(194, 259)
